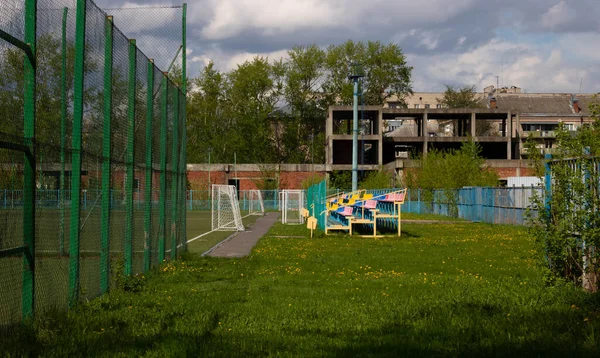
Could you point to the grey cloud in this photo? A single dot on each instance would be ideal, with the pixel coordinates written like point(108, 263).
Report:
point(428, 31)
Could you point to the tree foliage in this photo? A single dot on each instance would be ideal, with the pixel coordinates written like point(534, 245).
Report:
point(460, 97)
point(275, 112)
point(465, 97)
point(451, 170)
point(377, 179)
point(566, 221)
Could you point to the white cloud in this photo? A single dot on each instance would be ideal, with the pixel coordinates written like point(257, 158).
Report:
point(232, 17)
point(240, 58)
point(528, 66)
point(543, 45)
point(557, 15)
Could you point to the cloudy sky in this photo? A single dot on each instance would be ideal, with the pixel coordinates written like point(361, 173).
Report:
point(539, 45)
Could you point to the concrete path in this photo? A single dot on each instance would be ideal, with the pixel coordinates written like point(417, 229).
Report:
point(240, 244)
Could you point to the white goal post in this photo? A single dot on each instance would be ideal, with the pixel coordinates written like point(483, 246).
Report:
point(255, 203)
point(292, 203)
point(226, 209)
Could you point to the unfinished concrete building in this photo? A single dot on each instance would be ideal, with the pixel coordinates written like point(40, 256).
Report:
point(501, 127)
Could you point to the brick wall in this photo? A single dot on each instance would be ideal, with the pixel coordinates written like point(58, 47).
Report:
point(252, 176)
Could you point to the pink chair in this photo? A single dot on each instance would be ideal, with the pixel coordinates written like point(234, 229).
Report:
point(370, 204)
point(396, 197)
point(347, 211)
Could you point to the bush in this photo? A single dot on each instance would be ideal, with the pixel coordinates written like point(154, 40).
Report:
point(378, 179)
point(451, 170)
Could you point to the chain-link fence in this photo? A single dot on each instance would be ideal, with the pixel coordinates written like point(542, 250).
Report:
point(92, 152)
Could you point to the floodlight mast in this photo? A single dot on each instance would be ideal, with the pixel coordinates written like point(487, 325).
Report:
point(356, 73)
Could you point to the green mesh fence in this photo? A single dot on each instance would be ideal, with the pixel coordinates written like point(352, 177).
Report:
point(92, 151)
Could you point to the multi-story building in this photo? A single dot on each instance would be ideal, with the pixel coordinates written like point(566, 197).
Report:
point(506, 119)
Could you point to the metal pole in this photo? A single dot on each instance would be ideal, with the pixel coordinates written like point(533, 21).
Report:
point(355, 138)
point(183, 123)
point(106, 152)
point(63, 116)
point(129, 176)
point(149, 152)
point(29, 96)
point(76, 153)
point(163, 169)
point(174, 172)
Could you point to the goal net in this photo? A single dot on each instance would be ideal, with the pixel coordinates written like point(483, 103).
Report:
point(226, 209)
point(255, 203)
point(291, 207)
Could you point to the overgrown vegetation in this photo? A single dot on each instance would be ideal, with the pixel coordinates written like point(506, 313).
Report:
point(465, 97)
point(377, 179)
point(569, 232)
point(459, 289)
point(451, 170)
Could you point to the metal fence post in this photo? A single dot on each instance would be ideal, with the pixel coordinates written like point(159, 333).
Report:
point(76, 152)
point(184, 120)
point(129, 180)
point(162, 205)
point(174, 177)
point(63, 132)
point(148, 180)
point(28, 289)
point(106, 146)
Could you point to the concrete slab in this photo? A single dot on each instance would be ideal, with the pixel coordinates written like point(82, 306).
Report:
point(240, 244)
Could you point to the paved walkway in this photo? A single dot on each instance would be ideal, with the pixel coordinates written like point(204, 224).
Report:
point(240, 244)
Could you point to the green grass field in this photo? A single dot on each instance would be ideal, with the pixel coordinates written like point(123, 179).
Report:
point(52, 263)
point(199, 222)
point(441, 290)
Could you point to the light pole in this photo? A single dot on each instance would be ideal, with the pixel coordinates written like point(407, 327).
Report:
point(356, 72)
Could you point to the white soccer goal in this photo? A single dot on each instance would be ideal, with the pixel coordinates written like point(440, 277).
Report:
point(292, 202)
point(226, 209)
point(255, 203)
point(280, 201)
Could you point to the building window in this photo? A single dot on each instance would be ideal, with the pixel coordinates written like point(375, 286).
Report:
point(417, 106)
point(427, 105)
point(438, 106)
point(136, 184)
point(569, 126)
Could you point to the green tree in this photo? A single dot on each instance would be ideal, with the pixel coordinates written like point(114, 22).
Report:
point(48, 99)
point(386, 72)
point(377, 179)
point(451, 170)
point(460, 97)
point(206, 122)
point(303, 125)
point(254, 89)
point(274, 112)
point(340, 179)
point(465, 97)
point(565, 221)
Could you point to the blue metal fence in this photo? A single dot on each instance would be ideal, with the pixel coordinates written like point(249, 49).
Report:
point(489, 205)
